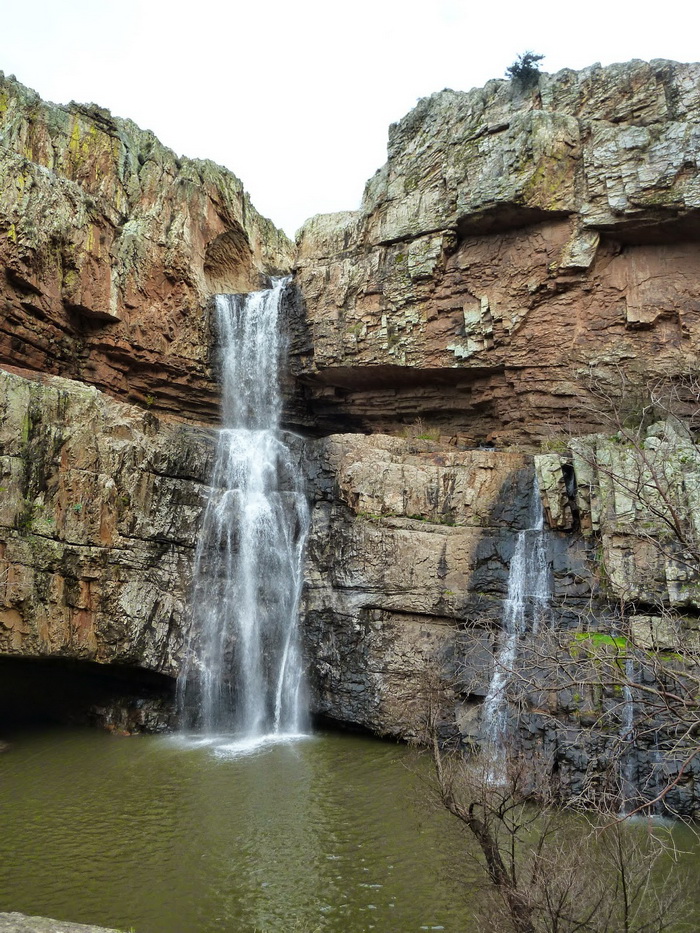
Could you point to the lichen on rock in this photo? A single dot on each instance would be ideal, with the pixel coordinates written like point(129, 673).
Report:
point(111, 246)
point(511, 238)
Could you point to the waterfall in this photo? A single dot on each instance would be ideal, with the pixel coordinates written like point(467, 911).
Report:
point(243, 670)
point(638, 784)
point(627, 737)
point(525, 605)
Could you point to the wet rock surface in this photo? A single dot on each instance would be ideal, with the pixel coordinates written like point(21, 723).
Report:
point(410, 541)
point(21, 923)
point(101, 508)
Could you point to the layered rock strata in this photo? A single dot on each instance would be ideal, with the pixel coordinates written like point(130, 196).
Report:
point(516, 240)
point(410, 547)
point(407, 569)
point(100, 508)
point(522, 270)
point(524, 263)
point(110, 247)
point(637, 494)
point(616, 710)
point(100, 512)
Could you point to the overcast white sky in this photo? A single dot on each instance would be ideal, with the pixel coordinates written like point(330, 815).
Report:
point(296, 97)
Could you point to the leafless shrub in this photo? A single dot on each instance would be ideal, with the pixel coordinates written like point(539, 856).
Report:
point(547, 869)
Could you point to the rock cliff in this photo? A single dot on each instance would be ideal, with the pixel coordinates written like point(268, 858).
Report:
point(522, 274)
point(399, 529)
point(110, 247)
point(515, 239)
point(522, 271)
point(100, 508)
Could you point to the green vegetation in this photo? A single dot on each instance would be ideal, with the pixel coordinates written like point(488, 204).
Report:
point(25, 517)
point(525, 68)
point(556, 445)
point(598, 639)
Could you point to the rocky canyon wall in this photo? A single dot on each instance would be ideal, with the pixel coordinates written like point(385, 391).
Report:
point(516, 240)
point(521, 277)
point(522, 272)
point(110, 250)
point(111, 246)
point(100, 509)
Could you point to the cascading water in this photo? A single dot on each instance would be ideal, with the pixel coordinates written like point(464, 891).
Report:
point(525, 607)
point(642, 769)
point(243, 672)
point(627, 737)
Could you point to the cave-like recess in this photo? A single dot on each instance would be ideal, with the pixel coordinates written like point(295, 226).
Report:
point(62, 691)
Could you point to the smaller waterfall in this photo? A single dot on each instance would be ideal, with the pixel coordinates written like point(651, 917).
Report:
point(525, 607)
point(659, 777)
point(243, 672)
point(643, 772)
point(628, 776)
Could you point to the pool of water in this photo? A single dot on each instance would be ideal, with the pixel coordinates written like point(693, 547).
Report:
point(168, 836)
point(324, 834)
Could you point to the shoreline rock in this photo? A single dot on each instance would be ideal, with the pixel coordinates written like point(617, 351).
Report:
point(23, 923)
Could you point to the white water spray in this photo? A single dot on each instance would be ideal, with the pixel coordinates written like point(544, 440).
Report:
point(525, 606)
point(243, 672)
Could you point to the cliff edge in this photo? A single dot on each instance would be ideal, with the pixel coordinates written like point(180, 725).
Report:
point(516, 240)
point(110, 247)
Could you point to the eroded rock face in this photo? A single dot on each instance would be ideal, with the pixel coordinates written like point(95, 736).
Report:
point(110, 247)
point(637, 495)
point(100, 510)
point(110, 250)
point(409, 541)
point(101, 507)
point(514, 240)
point(617, 715)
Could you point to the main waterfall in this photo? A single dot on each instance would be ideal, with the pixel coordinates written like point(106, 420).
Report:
point(243, 670)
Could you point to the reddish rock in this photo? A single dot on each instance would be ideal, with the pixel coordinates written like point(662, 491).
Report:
point(110, 247)
point(515, 242)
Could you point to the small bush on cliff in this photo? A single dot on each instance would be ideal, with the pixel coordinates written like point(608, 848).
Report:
point(525, 68)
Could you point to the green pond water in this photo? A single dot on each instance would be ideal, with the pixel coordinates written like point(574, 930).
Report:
point(330, 833)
